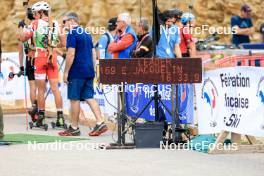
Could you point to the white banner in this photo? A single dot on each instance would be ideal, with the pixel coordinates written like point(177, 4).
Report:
point(232, 99)
point(14, 89)
point(11, 89)
point(103, 100)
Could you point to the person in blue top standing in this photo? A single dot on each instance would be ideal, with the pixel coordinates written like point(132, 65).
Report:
point(79, 75)
point(169, 42)
point(126, 39)
point(106, 39)
point(242, 26)
point(1, 112)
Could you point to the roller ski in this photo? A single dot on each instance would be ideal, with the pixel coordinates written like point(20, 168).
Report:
point(12, 75)
point(39, 123)
point(33, 114)
point(60, 123)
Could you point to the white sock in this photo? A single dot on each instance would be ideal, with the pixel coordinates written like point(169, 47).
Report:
point(74, 127)
point(99, 123)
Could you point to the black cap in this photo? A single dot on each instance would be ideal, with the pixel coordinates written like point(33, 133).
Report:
point(112, 24)
point(177, 13)
point(246, 8)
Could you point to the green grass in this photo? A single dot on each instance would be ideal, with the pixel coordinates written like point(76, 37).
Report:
point(26, 138)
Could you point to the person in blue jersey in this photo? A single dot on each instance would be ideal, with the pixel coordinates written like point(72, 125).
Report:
point(106, 39)
point(126, 39)
point(169, 42)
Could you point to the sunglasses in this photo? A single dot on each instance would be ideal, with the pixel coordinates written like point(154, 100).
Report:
point(64, 21)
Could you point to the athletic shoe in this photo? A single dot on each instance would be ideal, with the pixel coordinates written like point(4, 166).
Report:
point(40, 119)
point(70, 132)
point(98, 130)
point(34, 114)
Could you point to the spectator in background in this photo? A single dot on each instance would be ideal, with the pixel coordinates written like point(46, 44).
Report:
point(1, 123)
point(169, 42)
point(126, 38)
point(1, 112)
point(79, 75)
point(262, 32)
point(188, 47)
point(1, 74)
point(144, 48)
point(242, 26)
point(106, 39)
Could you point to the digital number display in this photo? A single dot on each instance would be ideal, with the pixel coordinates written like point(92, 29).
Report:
point(151, 71)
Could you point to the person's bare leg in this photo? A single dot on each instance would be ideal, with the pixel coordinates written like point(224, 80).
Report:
point(100, 127)
point(41, 87)
point(75, 112)
point(33, 89)
point(56, 92)
point(96, 109)
point(1, 123)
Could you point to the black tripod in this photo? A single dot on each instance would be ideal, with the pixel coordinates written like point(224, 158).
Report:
point(157, 98)
point(176, 129)
point(122, 118)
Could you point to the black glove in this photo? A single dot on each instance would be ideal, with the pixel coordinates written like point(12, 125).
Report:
point(21, 24)
point(22, 70)
point(64, 56)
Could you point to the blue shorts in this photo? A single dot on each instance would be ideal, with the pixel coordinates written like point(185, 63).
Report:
point(80, 89)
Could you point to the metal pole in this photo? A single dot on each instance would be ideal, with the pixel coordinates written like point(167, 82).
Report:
point(156, 93)
point(119, 121)
point(177, 119)
point(173, 120)
point(123, 118)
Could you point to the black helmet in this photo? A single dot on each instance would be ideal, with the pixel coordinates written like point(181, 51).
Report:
point(176, 13)
point(111, 26)
point(166, 15)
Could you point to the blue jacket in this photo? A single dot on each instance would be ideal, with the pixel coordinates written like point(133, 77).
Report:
point(125, 54)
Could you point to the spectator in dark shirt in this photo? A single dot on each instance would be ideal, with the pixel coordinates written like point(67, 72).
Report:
point(242, 26)
point(262, 31)
point(144, 48)
point(79, 75)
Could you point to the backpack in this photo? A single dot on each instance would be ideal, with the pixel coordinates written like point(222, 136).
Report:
point(108, 42)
